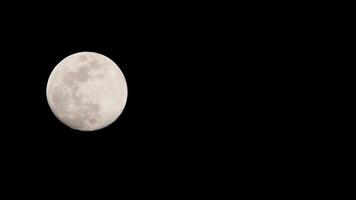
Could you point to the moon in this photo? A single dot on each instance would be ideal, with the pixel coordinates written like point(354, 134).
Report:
point(86, 91)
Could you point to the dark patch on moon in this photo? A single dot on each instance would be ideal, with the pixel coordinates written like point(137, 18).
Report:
point(60, 99)
point(95, 65)
point(69, 79)
point(83, 58)
point(87, 113)
point(92, 121)
point(69, 105)
point(82, 74)
point(80, 114)
point(100, 76)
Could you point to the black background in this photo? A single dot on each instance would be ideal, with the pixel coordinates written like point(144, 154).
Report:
point(210, 87)
point(190, 76)
point(32, 45)
point(169, 128)
point(32, 125)
point(159, 54)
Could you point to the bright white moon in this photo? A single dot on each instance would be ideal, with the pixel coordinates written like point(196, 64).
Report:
point(86, 91)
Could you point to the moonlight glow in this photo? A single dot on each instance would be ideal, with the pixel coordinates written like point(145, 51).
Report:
point(87, 91)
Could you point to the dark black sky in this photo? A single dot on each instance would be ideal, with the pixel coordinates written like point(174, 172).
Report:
point(30, 50)
point(144, 54)
point(163, 57)
point(209, 86)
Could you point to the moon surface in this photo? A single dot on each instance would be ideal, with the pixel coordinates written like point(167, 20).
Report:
point(86, 91)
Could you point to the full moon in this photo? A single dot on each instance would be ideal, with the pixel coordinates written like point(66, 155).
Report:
point(86, 91)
